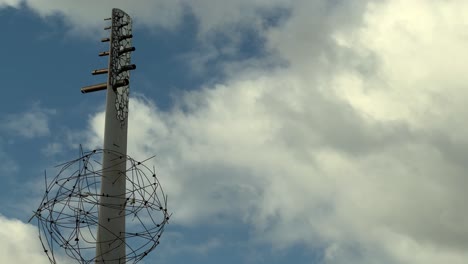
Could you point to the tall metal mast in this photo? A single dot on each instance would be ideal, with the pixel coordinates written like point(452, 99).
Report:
point(87, 196)
point(110, 246)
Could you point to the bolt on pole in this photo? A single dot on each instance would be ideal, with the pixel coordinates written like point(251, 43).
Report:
point(110, 246)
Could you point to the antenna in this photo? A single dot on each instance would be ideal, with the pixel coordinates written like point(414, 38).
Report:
point(87, 204)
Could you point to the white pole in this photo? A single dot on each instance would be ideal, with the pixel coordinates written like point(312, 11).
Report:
point(110, 246)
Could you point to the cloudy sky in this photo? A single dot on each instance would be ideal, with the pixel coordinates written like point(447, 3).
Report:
point(305, 131)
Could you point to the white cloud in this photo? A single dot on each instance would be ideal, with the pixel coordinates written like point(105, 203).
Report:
point(86, 16)
point(419, 46)
point(52, 149)
point(214, 20)
point(174, 245)
point(9, 3)
point(215, 15)
point(8, 165)
point(229, 157)
point(29, 124)
point(19, 243)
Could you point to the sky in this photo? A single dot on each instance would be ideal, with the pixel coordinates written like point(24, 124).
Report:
point(305, 131)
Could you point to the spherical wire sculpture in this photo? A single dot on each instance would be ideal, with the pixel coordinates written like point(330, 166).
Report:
point(67, 217)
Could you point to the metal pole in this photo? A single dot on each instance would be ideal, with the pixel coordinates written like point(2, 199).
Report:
point(110, 243)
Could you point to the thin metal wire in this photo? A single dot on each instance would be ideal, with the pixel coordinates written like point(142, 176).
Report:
point(67, 217)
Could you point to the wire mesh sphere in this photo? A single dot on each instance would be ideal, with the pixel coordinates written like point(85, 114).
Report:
point(68, 214)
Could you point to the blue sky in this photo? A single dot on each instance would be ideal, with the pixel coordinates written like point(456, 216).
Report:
point(306, 131)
